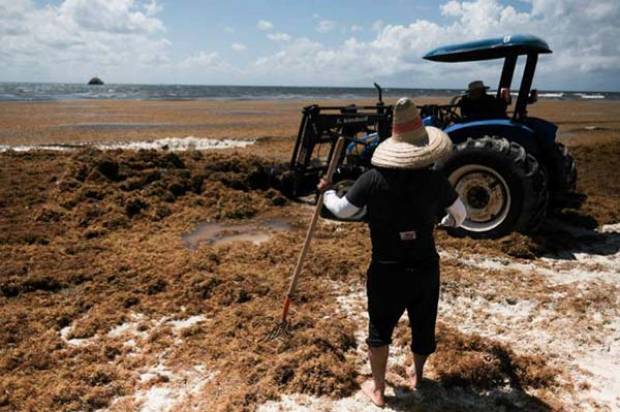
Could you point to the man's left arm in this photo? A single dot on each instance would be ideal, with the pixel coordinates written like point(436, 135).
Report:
point(456, 214)
point(452, 204)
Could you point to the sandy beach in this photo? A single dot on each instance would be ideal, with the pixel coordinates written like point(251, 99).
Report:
point(74, 121)
point(147, 280)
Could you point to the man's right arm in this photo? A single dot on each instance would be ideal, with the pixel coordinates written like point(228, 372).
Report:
point(353, 201)
point(339, 206)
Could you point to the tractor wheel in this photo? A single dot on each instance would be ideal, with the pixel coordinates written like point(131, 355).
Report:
point(504, 188)
point(564, 175)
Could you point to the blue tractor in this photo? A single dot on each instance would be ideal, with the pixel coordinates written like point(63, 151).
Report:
point(507, 167)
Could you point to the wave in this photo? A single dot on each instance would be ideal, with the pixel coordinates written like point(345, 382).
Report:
point(551, 95)
point(590, 96)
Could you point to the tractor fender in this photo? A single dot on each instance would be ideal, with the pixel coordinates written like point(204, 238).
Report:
point(507, 128)
point(545, 130)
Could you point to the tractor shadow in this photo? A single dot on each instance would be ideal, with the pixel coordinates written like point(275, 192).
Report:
point(568, 233)
point(434, 396)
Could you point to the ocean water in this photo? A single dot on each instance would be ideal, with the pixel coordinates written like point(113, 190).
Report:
point(72, 91)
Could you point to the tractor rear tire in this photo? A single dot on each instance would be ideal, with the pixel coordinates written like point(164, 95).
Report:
point(503, 187)
point(564, 175)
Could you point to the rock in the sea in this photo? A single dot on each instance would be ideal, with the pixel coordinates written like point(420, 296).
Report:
point(96, 81)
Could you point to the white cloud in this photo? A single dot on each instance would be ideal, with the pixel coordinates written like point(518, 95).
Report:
point(125, 40)
point(238, 47)
point(279, 36)
point(378, 25)
point(583, 43)
point(206, 67)
point(451, 8)
point(355, 28)
point(120, 16)
point(152, 8)
point(79, 38)
point(264, 25)
point(202, 59)
point(325, 26)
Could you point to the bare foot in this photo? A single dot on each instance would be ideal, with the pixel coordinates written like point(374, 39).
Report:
point(413, 379)
point(375, 395)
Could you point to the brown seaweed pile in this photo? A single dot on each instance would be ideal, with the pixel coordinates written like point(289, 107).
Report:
point(470, 372)
point(109, 189)
point(88, 240)
point(473, 361)
point(59, 276)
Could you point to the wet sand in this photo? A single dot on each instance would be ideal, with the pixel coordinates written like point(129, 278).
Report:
point(276, 122)
point(105, 304)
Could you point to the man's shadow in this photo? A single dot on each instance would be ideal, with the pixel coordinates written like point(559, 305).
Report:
point(433, 396)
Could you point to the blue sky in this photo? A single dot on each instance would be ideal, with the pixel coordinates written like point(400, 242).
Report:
point(288, 42)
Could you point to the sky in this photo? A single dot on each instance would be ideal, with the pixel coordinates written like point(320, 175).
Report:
point(300, 42)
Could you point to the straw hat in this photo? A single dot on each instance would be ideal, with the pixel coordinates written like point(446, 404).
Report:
point(477, 85)
point(412, 146)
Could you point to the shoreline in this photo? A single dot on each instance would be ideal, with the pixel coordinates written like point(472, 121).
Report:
point(102, 121)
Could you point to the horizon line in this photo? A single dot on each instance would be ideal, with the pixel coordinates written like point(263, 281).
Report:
point(289, 86)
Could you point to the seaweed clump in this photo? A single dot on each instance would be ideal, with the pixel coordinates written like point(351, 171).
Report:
point(472, 361)
point(111, 190)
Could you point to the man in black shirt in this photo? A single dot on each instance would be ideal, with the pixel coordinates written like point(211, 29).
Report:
point(477, 104)
point(403, 197)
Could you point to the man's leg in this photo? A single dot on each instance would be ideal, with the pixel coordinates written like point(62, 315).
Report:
point(384, 309)
point(375, 388)
point(422, 311)
point(416, 373)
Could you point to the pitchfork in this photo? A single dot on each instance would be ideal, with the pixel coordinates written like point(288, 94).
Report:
point(282, 328)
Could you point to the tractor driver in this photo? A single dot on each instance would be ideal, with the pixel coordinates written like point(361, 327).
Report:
point(477, 104)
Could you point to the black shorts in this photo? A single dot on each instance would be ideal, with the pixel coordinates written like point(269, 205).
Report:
point(394, 287)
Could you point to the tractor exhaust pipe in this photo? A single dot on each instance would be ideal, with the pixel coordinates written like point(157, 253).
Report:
point(379, 92)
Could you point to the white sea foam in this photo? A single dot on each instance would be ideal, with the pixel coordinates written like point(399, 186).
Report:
point(180, 386)
point(66, 332)
point(29, 148)
point(551, 95)
point(177, 144)
point(129, 328)
point(593, 260)
point(177, 388)
point(528, 323)
point(590, 96)
point(178, 325)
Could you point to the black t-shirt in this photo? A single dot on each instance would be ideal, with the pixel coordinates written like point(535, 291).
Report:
point(485, 107)
point(403, 207)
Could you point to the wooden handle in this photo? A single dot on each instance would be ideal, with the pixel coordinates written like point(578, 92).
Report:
point(304, 250)
point(333, 164)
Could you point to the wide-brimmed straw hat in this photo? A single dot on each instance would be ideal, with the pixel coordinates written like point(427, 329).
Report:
point(412, 145)
point(477, 85)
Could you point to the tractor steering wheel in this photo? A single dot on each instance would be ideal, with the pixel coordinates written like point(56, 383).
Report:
point(451, 112)
point(456, 100)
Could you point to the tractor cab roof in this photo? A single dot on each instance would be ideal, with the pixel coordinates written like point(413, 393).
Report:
point(488, 49)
